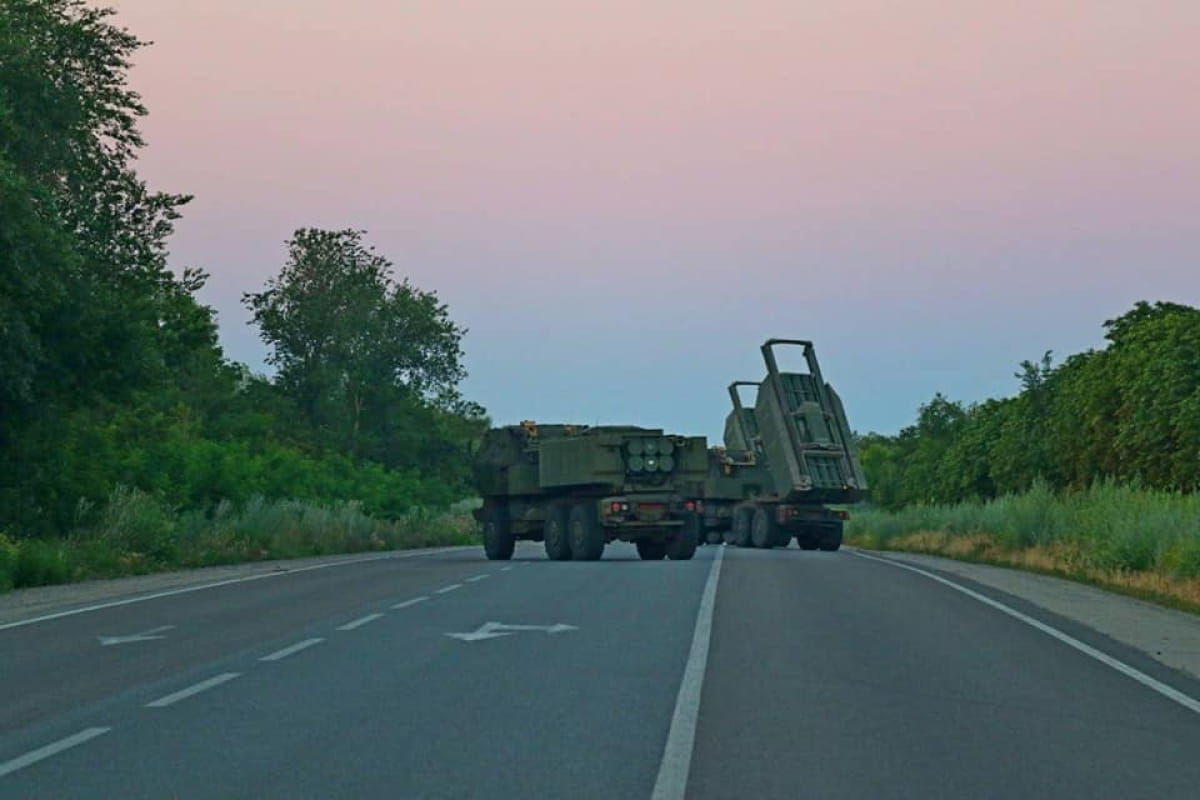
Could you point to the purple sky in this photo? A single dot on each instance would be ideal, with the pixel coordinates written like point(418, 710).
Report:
point(621, 199)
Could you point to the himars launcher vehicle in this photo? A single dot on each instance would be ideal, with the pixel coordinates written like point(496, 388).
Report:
point(783, 461)
point(576, 488)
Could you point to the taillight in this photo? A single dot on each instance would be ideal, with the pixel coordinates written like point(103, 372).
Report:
point(615, 507)
point(690, 505)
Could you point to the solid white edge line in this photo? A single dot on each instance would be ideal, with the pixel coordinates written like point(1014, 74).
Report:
point(505, 569)
point(449, 588)
point(34, 756)
point(185, 590)
point(358, 623)
point(474, 578)
point(195, 688)
point(411, 602)
point(671, 783)
point(291, 649)
point(1170, 693)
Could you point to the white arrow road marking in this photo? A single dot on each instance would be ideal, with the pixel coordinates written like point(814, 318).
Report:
point(494, 630)
point(144, 636)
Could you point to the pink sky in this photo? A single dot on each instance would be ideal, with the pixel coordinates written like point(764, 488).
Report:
point(931, 190)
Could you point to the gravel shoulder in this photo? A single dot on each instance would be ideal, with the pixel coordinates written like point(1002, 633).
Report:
point(22, 604)
point(1166, 635)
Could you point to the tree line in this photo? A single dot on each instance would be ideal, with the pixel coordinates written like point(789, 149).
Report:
point(111, 374)
point(1127, 412)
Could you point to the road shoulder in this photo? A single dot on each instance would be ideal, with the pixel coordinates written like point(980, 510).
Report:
point(1168, 636)
point(24, 604)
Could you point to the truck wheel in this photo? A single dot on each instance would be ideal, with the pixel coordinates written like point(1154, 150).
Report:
point(808, 539)
point(585, 534)
point(652, 551)
point(831, 538)
point(764, 531)
point(743, 519)
point(498, 540)
point(558, 547)
point(683, 545)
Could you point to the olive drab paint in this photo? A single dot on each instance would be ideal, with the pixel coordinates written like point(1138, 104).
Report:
point(596, 483)
point(786, 457)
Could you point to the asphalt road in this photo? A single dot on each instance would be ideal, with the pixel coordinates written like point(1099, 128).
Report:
point(742, 673)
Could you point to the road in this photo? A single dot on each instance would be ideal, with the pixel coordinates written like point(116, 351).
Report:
point(742, 673)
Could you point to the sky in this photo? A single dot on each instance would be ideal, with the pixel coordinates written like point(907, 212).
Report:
point(621, 199)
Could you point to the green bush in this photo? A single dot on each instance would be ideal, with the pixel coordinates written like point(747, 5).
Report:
point(1109, 526)
point(136, 532)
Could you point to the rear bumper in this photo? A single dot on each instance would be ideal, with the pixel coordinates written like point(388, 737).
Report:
point(640, 511)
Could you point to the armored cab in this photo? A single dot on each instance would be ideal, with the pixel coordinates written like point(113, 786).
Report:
point(577, 487)
point(784, 459)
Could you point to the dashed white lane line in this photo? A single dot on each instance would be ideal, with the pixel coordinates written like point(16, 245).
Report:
point(53, 749)
point(449, 588)
point(411, 602)
point(506, 569)
point(291, 649)
point(358, 623)
point(671, 783)
point(1179, 697)
point(197, 688)
point(475, 578)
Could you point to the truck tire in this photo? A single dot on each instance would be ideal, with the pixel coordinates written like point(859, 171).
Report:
point(683, 545)
point(808, 538)
point(585, 534)
point(764, 531)
point(651, 551)
point(743, 520)
point(831, 538)
point(558, 546)
point(498, 539)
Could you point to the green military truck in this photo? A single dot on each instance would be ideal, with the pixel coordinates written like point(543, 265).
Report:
point(785, 460)
point(577, 487)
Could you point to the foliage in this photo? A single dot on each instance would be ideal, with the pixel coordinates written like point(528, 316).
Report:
point(1123, 537)
point(112, 372)
point(138, 533)
point(1130, 412)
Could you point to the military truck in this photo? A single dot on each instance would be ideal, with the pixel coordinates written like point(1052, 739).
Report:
point(577, 487)
point(784, 461)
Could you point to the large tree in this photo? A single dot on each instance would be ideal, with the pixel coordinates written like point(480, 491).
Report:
point(356, 348)
point(91, 319)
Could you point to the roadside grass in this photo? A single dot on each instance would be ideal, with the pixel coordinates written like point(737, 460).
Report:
point(136, 533)
point(1140, 542)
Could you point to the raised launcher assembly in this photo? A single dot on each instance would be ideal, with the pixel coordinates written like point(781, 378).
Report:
point(783, 460)
point(804, 432)
point(577, 488)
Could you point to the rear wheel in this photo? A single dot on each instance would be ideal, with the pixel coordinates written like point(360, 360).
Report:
point(831, 538)
point(683, 545)
point(808, 539)
point(558, 547)
point(652, 551)
point(585, 534)
point(498, 540)
point(764, 531)
point(743, 519)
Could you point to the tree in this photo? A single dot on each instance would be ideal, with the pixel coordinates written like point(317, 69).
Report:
point(92, 322)
point(358, 350)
